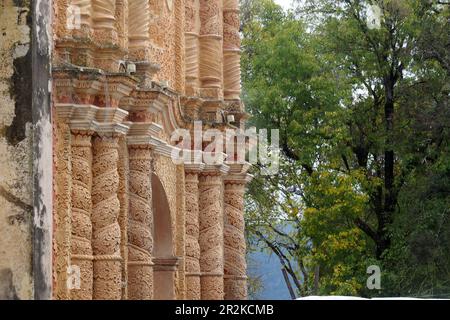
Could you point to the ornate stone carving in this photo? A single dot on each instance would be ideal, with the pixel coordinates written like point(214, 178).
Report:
point(192, 237)
point(123, 169)
point(140, 240)
point(231, 50)
point(106, 230)
point(180, 236)
point(187, 55)
point(235, 279)
point(211, 237)
point(179, 46)
point(63, 190)
point(81, 252)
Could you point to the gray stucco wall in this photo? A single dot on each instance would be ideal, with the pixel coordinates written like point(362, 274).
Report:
point(25, 150)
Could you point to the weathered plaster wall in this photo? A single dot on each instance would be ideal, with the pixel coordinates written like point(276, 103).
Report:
point(15, 151)
point(25, 150)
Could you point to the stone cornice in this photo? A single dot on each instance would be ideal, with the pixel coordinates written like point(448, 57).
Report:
point(194, 168)
point(241, 179)
point(91, 118)
point(238, 168)
point(215, 169)
point(238, 173)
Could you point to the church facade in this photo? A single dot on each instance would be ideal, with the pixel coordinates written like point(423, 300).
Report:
point(123, 219)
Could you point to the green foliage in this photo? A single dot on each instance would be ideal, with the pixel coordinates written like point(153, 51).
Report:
point(364, 127)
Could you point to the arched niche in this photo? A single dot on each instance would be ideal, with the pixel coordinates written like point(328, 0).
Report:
point(165, 262)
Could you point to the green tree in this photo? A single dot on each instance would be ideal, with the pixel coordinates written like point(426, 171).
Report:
point(363, 119)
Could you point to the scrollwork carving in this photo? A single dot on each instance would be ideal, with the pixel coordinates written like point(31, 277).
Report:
point(140, 240)
point(234, 243)
point(211, 237)
point(192, 236)
point(81, 252)
point(106, 230)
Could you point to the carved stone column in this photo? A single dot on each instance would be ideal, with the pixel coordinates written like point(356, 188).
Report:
point(211, 235)
point(235, 272)
point(193, 287)
point(104, 19)
point(231, 50)
point(81, 248)
point(73, 185)
point(211, 49)
point(139, 29)
point(106, 210)
point(106, 237)
point(192, 46)
point(140, 239)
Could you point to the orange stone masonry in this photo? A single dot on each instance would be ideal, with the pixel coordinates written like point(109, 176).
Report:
point(130, 222)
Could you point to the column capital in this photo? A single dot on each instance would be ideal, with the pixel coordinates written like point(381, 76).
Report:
point(79, 117)
point(238, 174)
point(104, 121)
point(142, 135)
point(215, 170)
point(110, 121)
point(238, 179)
point(194, 168)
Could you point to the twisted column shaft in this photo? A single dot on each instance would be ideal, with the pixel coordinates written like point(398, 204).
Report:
point(211, 237)
point(192, 237)
point(235, 271)
point(106, 230)
point(140, 239)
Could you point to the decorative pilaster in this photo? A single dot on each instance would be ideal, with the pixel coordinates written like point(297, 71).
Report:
point(62, 207)
point(211, 49)
point(140, 239)
point(81, 248)
point(211, 235)
point(235, 271)
point(193, 271)
point(73, 233)
point(231, 50)
point(124, 171)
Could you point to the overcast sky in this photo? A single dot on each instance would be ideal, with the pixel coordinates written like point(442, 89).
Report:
point(284, 3)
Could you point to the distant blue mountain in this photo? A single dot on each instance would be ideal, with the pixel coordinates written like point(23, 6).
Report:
point(269, 268)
